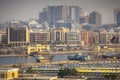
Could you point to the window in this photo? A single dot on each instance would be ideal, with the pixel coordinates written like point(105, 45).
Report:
point(2, 76)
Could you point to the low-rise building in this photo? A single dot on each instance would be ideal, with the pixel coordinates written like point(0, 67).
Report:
point(40, 37)
point(37, 48)
point(85, 37)
point(8, 74)
point(18, 36)
point(72, 37)
point(57, 35)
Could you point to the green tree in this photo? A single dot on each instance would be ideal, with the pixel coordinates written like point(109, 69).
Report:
point(111, 76)
point(61, 73)
point(67, 72)
point(73, 72)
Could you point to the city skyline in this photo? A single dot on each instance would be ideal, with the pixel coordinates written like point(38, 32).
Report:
point(26, 9)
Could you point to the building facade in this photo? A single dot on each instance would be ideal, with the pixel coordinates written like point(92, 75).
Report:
point(52, 14)
point(74, 14)
point(18, 36)
point(37, 48)
point(8, 74)
point(116, 10)
point(95, 18)
point(56, 13)
point(118, 18)
point(72, 37)
point(106, 36)
point(43, 16)
point(40, 37)
point(57, 35)
point(94, 38)
point(3, 37)
point(85, 37)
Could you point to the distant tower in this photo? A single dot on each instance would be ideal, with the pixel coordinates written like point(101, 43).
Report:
point(84, 18)
point(118, 18)
point(95, 18)
point(56, 13)
point(43, 15)
point(74, 13)
point(116, 10)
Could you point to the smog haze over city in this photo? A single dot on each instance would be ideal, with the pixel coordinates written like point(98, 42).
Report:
point(59, 39)
point(26, 9)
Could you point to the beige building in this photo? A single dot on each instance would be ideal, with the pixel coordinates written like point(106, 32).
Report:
point(106, 36)
point(73, 37)
point(0, 36)
point(40, 37)
point(85, 35)
point(18, 36)
point(58, 35)
point(94, 38)
point(3, 36)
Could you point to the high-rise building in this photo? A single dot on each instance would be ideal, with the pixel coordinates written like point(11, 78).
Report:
point(84, 19)
point(118, 18)
point(56, 13)
point(52, 14)
point(116, 10)
point(95, 18)
point(58, 35)
point(74, 14)
point(18, 36)
point(43, 16)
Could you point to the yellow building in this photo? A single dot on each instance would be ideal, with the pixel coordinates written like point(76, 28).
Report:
point(58, 35)
point(8, 74)
point(99, 70)
point(38, 48)
point(18, 36)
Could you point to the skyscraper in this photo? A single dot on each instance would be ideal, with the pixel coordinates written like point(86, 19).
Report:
point(53, 14)
point(74, 13)
point(116, 10)
point(95, 18)
point(43, 15)
point(56, 13)
point(118, 18)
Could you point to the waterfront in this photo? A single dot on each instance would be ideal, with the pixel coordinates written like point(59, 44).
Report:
point(27, 59)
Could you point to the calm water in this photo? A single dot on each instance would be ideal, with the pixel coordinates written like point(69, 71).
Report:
point(29, 59)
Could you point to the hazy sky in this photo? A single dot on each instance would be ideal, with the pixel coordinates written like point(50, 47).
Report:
point(26, 9)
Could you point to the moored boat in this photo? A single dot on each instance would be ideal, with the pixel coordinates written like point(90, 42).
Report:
point(41, 58)
point(79, 57)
